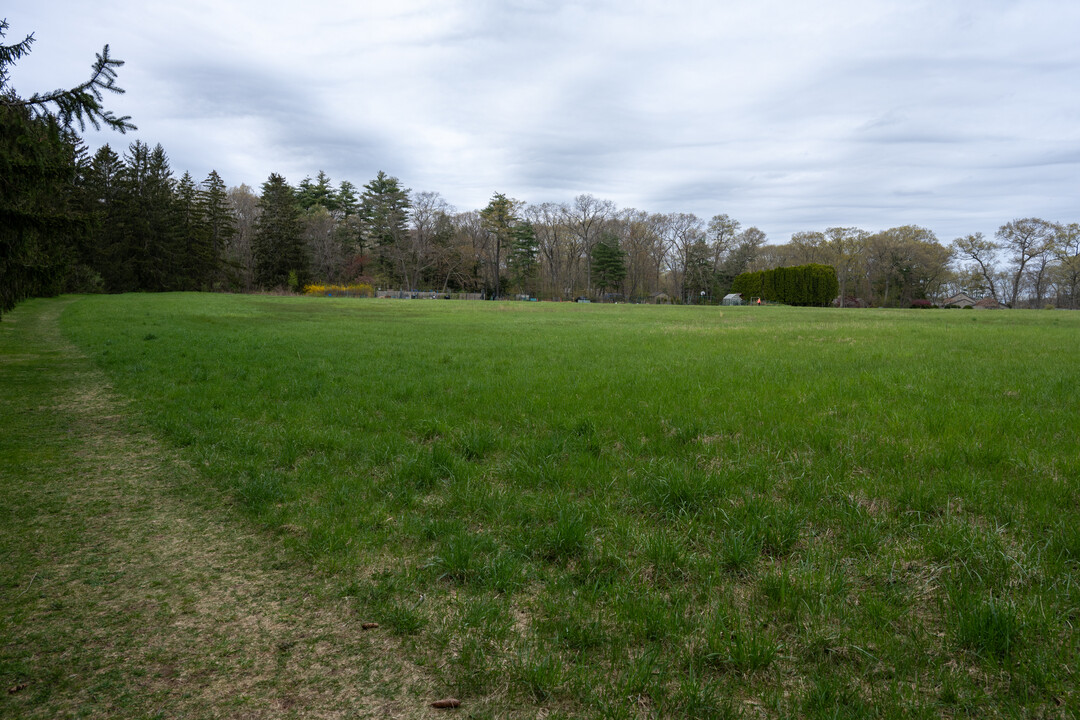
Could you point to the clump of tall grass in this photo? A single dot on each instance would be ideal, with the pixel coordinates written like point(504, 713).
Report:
point(732, 644)
point(988, 625)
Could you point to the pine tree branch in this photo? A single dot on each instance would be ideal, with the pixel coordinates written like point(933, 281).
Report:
point(80, 104)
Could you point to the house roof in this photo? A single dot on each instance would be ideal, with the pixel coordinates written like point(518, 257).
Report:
point(988, 302)
point(959, 298)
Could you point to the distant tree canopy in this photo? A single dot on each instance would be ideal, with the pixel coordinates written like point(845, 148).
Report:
point(814, 285)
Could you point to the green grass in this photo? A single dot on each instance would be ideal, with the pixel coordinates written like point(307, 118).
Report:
point(130, 589)
point(619, 511)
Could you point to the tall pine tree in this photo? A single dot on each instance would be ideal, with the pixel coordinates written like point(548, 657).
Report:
point(384, 212)
point(608, 263)
point(220, 226)
point(278, 243)
point(147, 219)
point(40, 218)
point(197, 261)
point(39, 222)
point(100, 192)
point(521, 260)
point(501, 221)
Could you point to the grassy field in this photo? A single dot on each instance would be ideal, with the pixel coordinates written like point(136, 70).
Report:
point(629, 511)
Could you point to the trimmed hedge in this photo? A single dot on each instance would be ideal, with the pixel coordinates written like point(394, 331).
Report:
point(801, 285)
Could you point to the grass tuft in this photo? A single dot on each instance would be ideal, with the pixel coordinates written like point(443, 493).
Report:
point(985, 624)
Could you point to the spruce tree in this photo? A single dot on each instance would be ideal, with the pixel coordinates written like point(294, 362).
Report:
point(147, 220)
point(77, 105)
point(196, 261)
point(220, 224)
point(41, 221)
point(384, 212)
point(278, 240)
point(102, 191)
point(608, 263)
point(522, 257)
point(500, 220)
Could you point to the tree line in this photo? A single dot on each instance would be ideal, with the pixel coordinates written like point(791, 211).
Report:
point(395, 238)
point(71, 221)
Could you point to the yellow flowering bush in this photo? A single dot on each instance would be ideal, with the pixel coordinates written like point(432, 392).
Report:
point(357, 290)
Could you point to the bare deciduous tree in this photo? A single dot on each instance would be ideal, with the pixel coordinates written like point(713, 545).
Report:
point(586, 218)
point(983, 254)
point(238, 252)
point(1025, 239)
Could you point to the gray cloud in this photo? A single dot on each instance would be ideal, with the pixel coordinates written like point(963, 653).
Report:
point(954, 114)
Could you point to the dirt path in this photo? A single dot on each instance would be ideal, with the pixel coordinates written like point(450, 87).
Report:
point(123, 595)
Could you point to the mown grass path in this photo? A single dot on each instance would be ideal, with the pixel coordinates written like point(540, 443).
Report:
point(121, 596)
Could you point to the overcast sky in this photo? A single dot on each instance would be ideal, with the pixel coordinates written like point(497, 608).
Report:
point(958, 115)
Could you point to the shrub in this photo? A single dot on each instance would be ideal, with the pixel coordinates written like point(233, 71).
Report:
point(84, 279)
point(351, 290)
point(922, 304)
point(801, 285)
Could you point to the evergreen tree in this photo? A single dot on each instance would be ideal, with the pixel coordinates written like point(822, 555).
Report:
point(348, 201)
point(103, 197)
point(151, 242)
point(799, 285)
point(500, 220)
point(608, 263)
point(80, 104)
point(41, 221)
point(220, 224)
point(319, 193)
point(522, 258)
point(85, 277)
point(196, 261)
point(349, 229)
point(384, 213)
point(278, 240)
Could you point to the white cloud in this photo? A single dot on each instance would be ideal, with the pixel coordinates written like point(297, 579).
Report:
point(956, 114)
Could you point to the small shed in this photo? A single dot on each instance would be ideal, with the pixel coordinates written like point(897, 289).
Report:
point(961, 300)
point(733, 299)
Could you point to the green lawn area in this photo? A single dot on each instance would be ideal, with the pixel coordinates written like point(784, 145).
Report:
point(638, 511)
